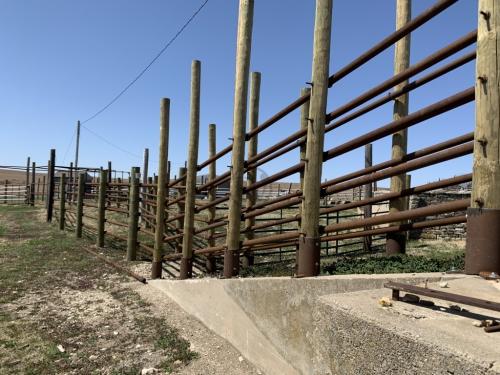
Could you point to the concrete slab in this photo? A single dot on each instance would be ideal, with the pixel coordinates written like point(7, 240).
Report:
point(412, 339)
point(278, 324)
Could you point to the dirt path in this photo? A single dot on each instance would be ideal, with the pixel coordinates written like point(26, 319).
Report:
point(64, 312)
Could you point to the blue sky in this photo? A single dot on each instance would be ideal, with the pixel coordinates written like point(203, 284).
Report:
point(63, 60)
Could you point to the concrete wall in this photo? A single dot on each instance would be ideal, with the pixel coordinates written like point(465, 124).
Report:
point(278, 324)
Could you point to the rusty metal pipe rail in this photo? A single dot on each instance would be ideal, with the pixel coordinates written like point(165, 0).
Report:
point(293, 198)
point(451, 297)
point(404, 193)
point(437, 209)
point(117, 266)
point(276, 150)
point(414, 118)
point(397, 228)
point(409, 166)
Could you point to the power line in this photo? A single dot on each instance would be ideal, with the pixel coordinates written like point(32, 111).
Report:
point(179, 32)
point(111, 143)
point(69, 146)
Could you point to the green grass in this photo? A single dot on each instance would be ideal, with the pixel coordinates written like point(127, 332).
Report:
point(38, 262)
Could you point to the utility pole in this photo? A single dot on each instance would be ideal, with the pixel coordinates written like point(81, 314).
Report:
point(77, 145)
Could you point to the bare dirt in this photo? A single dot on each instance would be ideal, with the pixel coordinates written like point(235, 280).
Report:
point(62, 311)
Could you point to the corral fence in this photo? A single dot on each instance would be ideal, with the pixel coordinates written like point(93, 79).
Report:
point(179, 222)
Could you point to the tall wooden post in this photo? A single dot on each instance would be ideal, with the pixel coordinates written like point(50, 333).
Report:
point(145, 170)
point(71, 185)
point(133, 213)
point(43, 188)
point(33, 186)
point(304, 120)
point(28, 180)
point(309, 245)
point(77, 145)
point(161, 189)
point(181, 191)
point(62, 201)
point(408, 202)
point(243, 49)
point(396, 242)
point(251, 197)
point(483, 217)
point(210, 262)
point(192, 165)
point(367, 240)
point(101, 207)
point(50, 187)
point(79, 204)
point(110, 172)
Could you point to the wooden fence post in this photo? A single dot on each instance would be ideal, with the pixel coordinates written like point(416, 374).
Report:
point(210, 262)
point(396, 242)
point(43, 188)
point(101, 207)
point(79, 204)
point(110, 172)
point(309, 245)
point(33, 186)
point(251, 196)
point(144, 190)
point(367, 240)
point(192, 166)
point(133, 213)
point(483, 217)
point(243, 48)
point(62, 201)
point(28, 162)
point(180, 208)
point(50, 185)
point(156, 267)
point(408, 203)
point(304, 120)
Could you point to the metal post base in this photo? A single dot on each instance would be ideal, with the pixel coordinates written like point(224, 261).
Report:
point(210, 264)
point(231, 263)
point(156, 269)
point(186, 269)
point(308, 257)
point(247, 260)
point(482, 252)
point(396, 243)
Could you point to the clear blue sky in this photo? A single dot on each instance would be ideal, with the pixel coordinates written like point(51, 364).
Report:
point(63, 60)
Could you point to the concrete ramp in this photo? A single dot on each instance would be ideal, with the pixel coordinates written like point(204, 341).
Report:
point(298, 326)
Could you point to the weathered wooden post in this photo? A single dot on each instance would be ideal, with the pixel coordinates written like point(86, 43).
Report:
point(145, 197)
point(309, 245)
point(251, 197)
point(110, 172)
point(133, 213)
point(50, 187)
point(483, 217)
point(27, 201)
point(32, 186)
point(156, 267)
point(101, 207)
point(43, 188)
point(62, 201)
point(396, 242)
point(79, 204)
point(210, 260)
point(408, 203)
point(367, 240)
point(304, 120)
point(243, 49)
point(181, 191)
point(192, 165)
